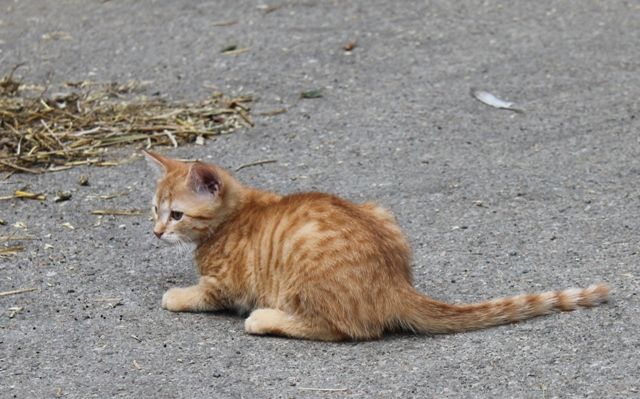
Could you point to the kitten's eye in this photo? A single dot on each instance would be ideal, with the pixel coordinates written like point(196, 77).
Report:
point(175, 215)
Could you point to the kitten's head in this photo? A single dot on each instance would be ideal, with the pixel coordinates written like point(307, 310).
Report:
point(191, 199)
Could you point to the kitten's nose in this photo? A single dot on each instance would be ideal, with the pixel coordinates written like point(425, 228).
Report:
point(158, 233)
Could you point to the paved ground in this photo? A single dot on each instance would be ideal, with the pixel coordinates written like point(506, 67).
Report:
point(558, 185)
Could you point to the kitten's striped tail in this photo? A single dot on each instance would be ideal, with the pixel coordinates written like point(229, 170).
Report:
point(423, 314)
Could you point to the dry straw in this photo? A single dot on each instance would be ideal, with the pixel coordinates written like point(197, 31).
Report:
point(42, 132)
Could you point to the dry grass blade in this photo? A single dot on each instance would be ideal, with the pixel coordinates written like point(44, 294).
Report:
point(274, 112)
point(247, 165)
point(11, 250)
point(117, 212)
point(15, 238)
point(8, 86)
point(108, 196)
point(315, 93)
point(14, 311)
point(236, 51)
point(24, 195)
point(40, 132)
point(225, 23)
point(323, 389)
point(11, 166)
point(108, 299)
point(18, 291)
point(28, 195)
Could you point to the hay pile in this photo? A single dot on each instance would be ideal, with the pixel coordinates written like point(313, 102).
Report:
point(40, 132)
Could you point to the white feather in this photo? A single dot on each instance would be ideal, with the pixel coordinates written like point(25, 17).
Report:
point(491, 100)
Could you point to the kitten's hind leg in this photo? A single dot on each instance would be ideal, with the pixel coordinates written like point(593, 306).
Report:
point(269, 321)
point(203, 296)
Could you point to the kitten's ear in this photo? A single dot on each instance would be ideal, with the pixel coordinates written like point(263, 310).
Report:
point(158, 163)
point(203, 178)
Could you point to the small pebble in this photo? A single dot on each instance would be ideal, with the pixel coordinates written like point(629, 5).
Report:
point(350, 46)
point(62, 196)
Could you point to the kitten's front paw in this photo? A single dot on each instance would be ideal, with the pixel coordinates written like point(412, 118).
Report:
point(171, 300)
point(187, 299)
point(263, 321)
point(252, 325)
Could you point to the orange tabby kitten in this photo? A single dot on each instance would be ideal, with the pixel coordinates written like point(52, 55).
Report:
point(311, 265)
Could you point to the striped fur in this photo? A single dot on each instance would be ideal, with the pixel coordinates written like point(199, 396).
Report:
point(312, 265)
point(428, 316)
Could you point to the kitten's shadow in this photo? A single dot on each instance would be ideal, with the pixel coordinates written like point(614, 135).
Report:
point(164, 282)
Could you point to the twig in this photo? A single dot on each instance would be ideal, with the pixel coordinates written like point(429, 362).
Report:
point(247, 165)
point(117, 212)
point(273, 112)
point(18, 291)
point(246, 118)
point(21, 168)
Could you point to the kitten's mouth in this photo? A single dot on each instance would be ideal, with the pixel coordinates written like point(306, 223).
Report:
point(174, 239)
point(169, 238)
point(183, 245)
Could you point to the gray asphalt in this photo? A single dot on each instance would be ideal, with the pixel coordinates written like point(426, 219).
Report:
point(495, 203)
